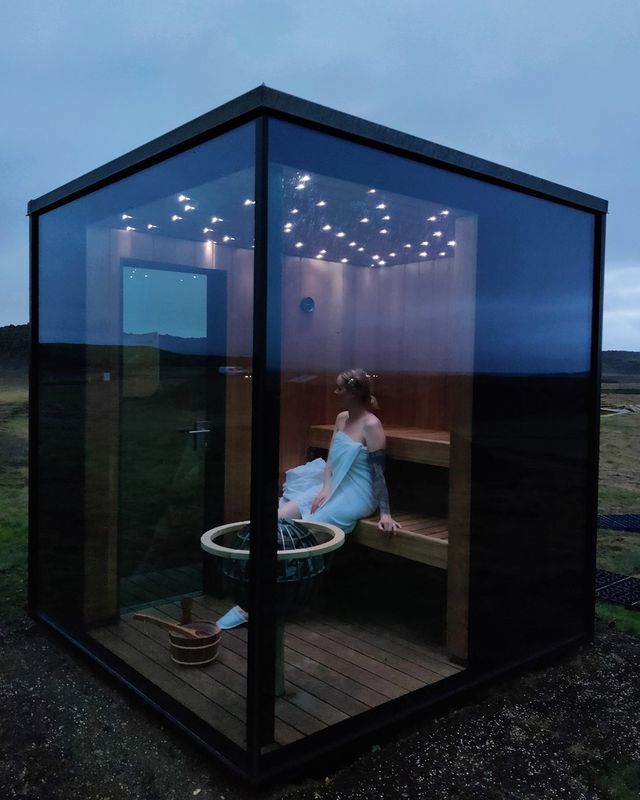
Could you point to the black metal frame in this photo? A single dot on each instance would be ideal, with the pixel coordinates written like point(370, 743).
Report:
point(259, 105)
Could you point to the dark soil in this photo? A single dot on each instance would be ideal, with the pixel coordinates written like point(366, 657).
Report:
point(567, 731)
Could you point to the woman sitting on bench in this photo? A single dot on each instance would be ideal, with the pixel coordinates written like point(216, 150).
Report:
point(351, 484)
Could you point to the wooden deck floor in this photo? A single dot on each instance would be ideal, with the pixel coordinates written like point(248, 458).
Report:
point(334, 668)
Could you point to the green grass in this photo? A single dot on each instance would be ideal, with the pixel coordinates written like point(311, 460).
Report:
point(13, 497)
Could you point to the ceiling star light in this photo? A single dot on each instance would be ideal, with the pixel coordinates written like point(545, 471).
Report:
point(364, 219)
point(437, 233)
point(228, 238)
point(182, 198)
point(189, 208)
point(386, 217)
point(392, 255)
point(381, 205)
point(407, 246)
point(150, 226)
point(126, 216)
point(326, 227)
point(375, 258)
point(300, 186)
point(206, 230)
point(323, 252)
point(321, 204)
point(294, 211)
point(352, 244)
point(344, 260)
point(320, 255)
point(249, 202)
point(444, 213)
point(383, 230)
point(371, 191)
point(424, 244)
point(361, 249)
point(381, 263)
point(340, 234)
point(216, 219)
point(451, 243)
point(431, 219)
point(175, 218)
point(299, 244)
point(423, 254)
point(305, 178)
point(129, 228)
point(442, 254)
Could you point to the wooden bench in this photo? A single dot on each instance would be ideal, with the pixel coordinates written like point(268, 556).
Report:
point(422, 538)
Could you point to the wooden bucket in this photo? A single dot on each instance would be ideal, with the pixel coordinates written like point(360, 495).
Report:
point(190, 652)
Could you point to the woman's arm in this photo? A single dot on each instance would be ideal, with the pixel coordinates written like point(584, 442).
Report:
point(375, 441)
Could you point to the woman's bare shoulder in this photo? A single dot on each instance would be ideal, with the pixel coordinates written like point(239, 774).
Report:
point(372, 423)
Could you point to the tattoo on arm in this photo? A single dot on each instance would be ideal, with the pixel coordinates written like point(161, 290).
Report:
point(376, 462)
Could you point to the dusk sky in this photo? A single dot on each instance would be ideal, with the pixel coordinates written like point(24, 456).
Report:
point(549, 88)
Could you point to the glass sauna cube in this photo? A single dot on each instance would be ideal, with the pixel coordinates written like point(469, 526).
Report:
point(193, 305)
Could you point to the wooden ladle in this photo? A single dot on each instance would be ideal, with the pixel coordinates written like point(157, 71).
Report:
point(173, 626)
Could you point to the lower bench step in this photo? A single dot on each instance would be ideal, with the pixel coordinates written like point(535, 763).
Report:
point(421, 538)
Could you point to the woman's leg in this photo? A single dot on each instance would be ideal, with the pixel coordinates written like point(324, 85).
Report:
point(289, 509)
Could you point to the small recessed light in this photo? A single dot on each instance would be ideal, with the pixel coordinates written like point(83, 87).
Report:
point(438, 234)
point(392, 255)
point(423, 254)
point(294, 211)
point(384, 230)
point(375, 258)
point(189, 208)
point(321, 204)
point(340, 234)
point(431, 219)
point(150, 226)
point(386, 217)
point(228, 238)
point(407, 245)
point(299, 244)
point(381, 263)
point(129, 228)
point(249, 202)
point(344, 260)
point(364, 219)
point(444, 213)
point(352, 244)
point(175, 218)
point(300, 186)
point(323, 252)
point(288, 230)
point(371, 191)
point(381, 206)
point(126, 216)
point(442, 254)
point(206, 230)
point(216, 219)
point(320, 255)
point(424, 244)
point(182, 198)
point(451, 243)
point(305, 178)
point(361, 249)
point(326, 227)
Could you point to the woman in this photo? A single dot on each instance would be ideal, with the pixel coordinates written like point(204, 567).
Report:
point(351, 484)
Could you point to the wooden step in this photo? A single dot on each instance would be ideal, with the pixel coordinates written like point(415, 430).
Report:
point(419, 445)
point(421, 538)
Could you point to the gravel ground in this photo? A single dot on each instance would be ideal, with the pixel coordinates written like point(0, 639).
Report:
point(568, 731)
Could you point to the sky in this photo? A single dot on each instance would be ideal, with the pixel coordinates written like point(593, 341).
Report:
point(549, 88)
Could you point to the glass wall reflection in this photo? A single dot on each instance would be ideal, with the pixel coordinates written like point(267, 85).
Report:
point(146, 290)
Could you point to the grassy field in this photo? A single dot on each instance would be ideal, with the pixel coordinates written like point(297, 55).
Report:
point(13, 493)
point(619, 493)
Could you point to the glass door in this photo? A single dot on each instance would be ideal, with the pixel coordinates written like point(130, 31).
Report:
point(171, 453)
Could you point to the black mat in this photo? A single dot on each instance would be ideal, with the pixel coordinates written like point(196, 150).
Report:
point(625, 593)
point(619, 522)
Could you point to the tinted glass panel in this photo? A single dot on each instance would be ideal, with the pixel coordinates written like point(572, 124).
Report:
point(465, 308)
point(146, 295)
